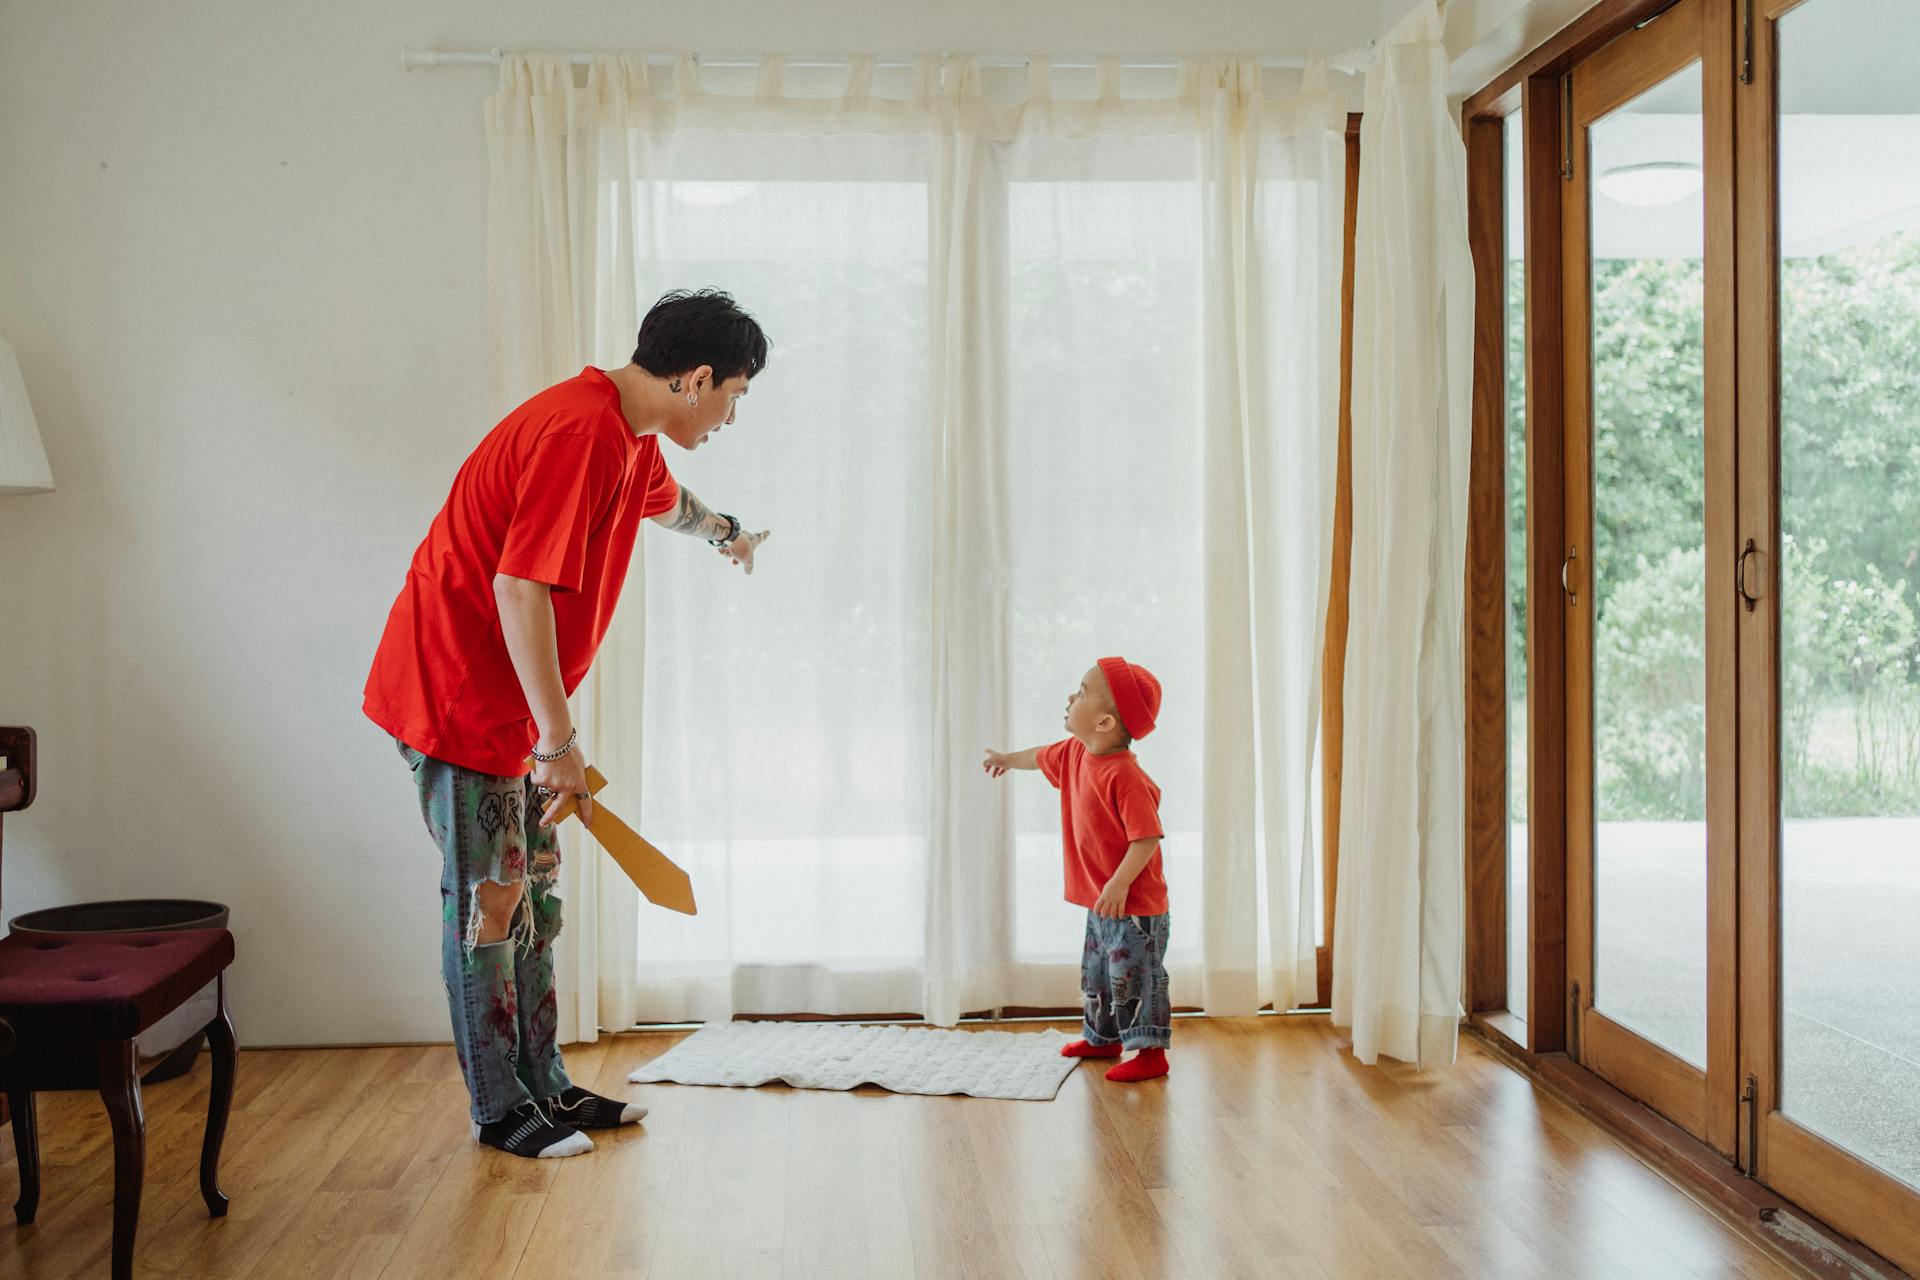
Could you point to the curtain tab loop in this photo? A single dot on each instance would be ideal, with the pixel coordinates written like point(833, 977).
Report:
point(772, 82)
point(638, 75)
point(606, 73)
point(1039, 78)
point(962, 76)
point(860, 75)
point(686, 75)
point(511, 67)
point(1314, 78)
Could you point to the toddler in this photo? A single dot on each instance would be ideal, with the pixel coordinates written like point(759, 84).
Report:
point(1110, 827)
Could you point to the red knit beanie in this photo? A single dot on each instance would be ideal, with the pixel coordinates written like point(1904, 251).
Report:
point(1136, 694)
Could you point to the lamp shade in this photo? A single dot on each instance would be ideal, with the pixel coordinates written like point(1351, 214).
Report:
point(23, 459)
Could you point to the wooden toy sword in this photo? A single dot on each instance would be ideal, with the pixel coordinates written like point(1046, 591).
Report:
point(653, 872)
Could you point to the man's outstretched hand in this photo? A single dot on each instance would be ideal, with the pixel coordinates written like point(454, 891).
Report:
point(740, 550)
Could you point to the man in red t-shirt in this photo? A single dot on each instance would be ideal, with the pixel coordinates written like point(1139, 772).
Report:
point(501, 614)
point(1110, 829)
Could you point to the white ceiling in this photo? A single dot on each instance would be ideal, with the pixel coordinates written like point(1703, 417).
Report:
point(1485, 37)
point(835, 27)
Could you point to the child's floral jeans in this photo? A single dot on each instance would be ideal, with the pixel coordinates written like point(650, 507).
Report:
point(1123, 975)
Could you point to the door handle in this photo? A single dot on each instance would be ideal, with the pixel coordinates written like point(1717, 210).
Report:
point(1740, 575)
point(1566, 577)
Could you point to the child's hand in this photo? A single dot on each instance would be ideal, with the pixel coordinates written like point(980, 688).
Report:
point(995, 764)
point(1112, 902)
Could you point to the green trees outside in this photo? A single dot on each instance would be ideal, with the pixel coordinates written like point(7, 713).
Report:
point(1850, 462)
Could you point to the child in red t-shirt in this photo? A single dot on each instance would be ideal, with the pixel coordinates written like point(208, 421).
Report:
point(1110, 826)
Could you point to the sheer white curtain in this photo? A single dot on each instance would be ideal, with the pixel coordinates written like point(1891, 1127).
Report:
point(1399, 920)
point(1053, 377)
point(1273, 201)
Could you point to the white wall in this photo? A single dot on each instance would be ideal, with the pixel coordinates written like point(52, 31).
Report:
point(241, 260)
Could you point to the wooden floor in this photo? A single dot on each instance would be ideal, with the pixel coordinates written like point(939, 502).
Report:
point(1269, 1152)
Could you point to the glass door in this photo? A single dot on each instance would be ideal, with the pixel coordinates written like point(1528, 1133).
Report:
point(1647, 588)
point(1829, 227)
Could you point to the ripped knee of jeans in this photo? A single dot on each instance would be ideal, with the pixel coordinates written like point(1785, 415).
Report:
point(498, 912)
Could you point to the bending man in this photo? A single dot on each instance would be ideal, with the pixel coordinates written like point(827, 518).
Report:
point(503, 610)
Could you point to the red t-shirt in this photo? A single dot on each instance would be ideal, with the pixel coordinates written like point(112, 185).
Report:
point(554, 494)
point(1106, 803)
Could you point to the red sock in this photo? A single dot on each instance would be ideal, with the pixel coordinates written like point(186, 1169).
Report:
point(1148, 1064)
point(1081, 1049)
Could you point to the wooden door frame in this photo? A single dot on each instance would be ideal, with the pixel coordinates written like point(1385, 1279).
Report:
point(1534, 85)
point(1333, 659)
point(1485, 722)
point(1543, 127)
point(1539, 1024)
point(1831, 1182)
point(1701, 1101)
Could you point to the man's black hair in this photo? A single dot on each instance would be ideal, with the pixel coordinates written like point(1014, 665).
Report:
point(691, 327)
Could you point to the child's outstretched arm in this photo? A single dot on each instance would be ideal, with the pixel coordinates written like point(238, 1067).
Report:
point(998, 762)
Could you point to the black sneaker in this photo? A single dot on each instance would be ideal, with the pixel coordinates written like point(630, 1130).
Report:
point(527, 1131)
point(585, 1110)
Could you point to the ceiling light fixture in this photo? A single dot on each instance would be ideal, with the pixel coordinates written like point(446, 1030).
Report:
point(1656, 183)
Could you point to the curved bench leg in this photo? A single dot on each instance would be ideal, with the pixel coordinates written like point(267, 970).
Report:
point(219, 1101)
point(120, 1088)
point(26, 1146)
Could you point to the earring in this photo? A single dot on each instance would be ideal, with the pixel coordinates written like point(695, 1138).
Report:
point(692, 400)
point(674, 386)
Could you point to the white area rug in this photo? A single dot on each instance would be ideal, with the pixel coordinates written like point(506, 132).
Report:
point(827, 1055)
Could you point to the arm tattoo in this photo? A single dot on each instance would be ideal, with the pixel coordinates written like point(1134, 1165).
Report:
point(693, 517)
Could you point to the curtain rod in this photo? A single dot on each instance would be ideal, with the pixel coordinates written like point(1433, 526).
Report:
point(412, 59)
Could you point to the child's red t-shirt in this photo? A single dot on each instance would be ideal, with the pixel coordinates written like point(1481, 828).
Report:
point(1106, 803)
point(554, 494)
